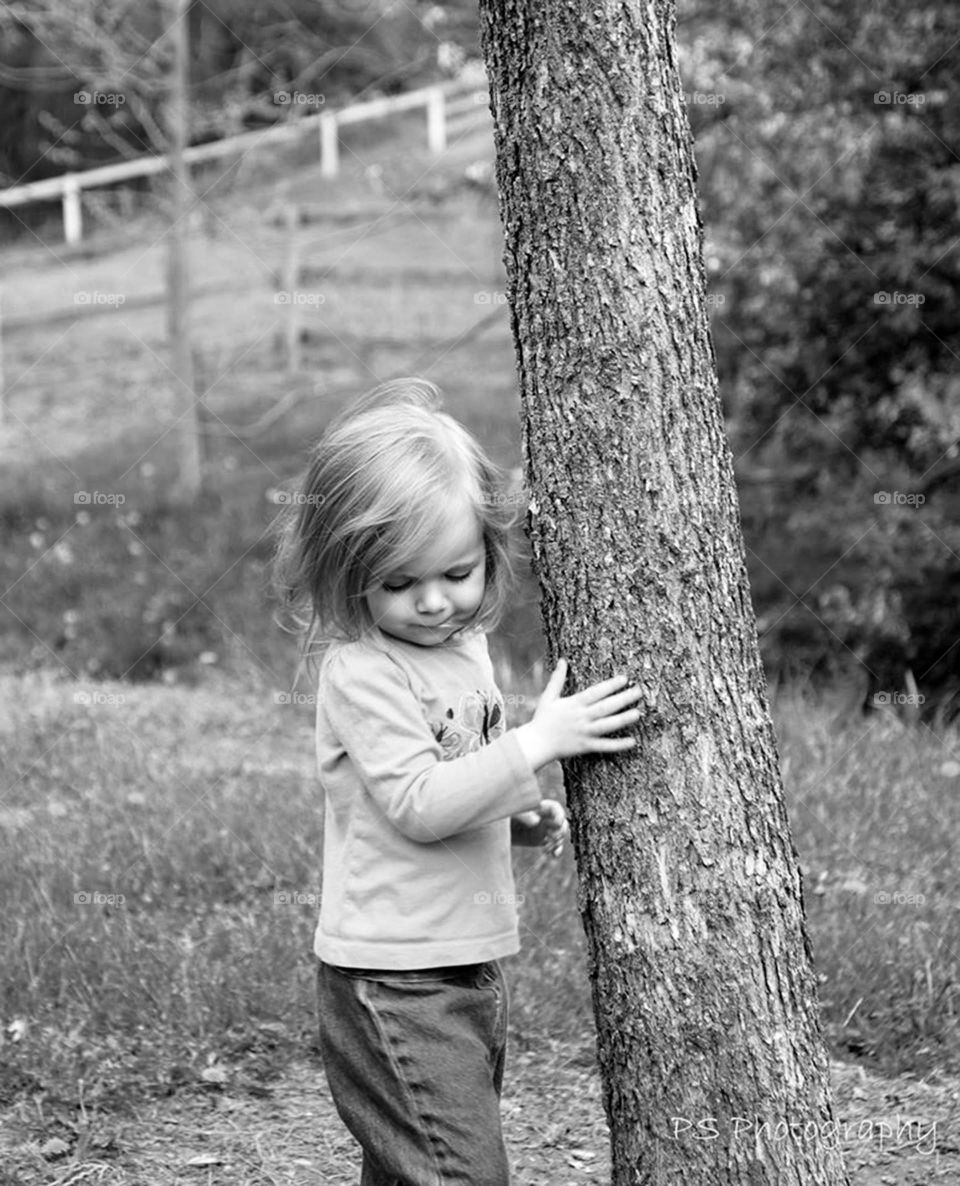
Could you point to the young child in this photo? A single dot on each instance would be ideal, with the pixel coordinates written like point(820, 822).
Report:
point(398, 549)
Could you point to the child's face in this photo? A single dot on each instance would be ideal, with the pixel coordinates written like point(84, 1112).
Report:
point(436, 592)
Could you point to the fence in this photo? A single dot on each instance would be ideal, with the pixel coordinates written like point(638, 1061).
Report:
point(303, 286)
point(435, 99)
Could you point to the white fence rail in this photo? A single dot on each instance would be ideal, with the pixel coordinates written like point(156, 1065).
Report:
point(69, 186)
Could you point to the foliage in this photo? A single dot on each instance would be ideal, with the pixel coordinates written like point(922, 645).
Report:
point(81, 79)
point(828, 156)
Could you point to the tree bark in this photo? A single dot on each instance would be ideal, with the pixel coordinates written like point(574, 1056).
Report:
point(709, 1037)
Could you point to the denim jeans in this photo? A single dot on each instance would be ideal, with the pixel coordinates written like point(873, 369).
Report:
point(415, 1065)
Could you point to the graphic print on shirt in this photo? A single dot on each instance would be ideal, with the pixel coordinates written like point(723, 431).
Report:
point(476, 721)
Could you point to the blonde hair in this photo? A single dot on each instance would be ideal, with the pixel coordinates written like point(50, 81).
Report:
point(386, 475)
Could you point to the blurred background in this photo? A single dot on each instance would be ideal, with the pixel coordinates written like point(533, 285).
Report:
point(159, 807)
point(825, 137)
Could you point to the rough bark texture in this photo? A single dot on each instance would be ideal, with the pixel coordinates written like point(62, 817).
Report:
point(708, 1028)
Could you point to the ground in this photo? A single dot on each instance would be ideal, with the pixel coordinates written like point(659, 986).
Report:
point(895, 1132)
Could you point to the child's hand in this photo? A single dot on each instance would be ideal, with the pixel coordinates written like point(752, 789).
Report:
point(546, 827)
point(563, 727)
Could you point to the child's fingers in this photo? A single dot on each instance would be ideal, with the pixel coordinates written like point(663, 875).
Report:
point(600, 691)
point(610, 745)
point(619, 700)
point(557, 841)
point(619, 721)
point(552, 811)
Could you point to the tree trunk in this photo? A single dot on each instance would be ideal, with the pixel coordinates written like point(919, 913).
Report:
point(186, 431)
point(708, 1028)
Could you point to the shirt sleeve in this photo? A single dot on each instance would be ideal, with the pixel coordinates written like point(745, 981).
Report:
point(375, 715)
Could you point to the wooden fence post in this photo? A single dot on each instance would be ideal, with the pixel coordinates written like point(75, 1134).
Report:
point(329, 145)
point(3, 385)
point(436, 121)
point(289, 280)
point(72, 210)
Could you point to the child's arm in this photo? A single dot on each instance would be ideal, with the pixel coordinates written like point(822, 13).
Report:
point(372, 710)
point(368, 706)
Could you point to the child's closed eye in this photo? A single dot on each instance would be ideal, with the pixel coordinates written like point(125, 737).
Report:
point(399, 586)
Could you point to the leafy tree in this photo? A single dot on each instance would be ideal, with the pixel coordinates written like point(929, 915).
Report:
point(245, 54)
point(828, 158)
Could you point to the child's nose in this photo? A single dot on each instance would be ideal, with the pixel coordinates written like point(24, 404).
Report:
point(431, 599)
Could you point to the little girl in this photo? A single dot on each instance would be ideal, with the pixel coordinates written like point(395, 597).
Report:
point(397, 547)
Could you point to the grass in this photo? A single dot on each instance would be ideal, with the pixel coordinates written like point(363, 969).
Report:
point(160, 870)
point(874, 810)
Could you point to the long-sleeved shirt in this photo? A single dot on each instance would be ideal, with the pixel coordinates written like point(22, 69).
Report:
point(420, 779)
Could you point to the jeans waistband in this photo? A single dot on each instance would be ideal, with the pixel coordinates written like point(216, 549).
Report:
point(446, 972)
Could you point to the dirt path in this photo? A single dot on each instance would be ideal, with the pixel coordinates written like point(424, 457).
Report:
point(899, 1132)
